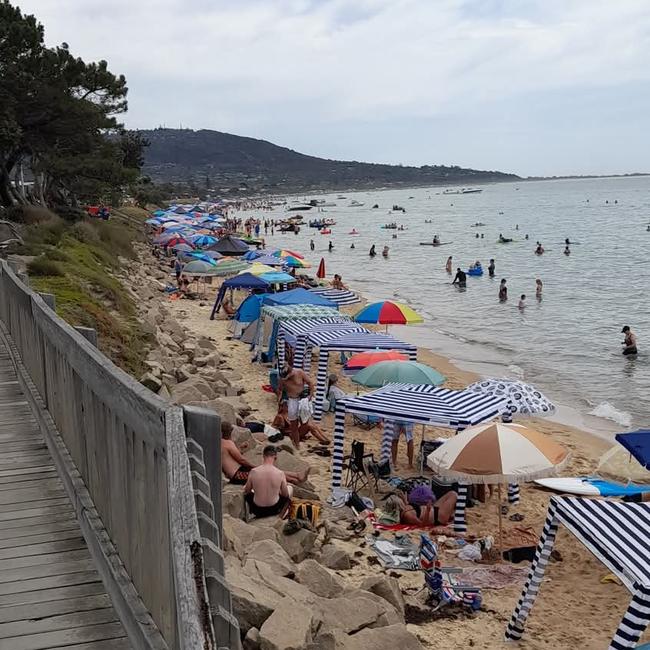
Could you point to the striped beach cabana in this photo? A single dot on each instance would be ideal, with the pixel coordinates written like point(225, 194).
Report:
point(618, 534)
point(354, 342)
point(339, 296)
point(282, 313)
point(303, 335)
point(420, 404)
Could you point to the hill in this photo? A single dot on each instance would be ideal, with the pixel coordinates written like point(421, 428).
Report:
point(223, 161)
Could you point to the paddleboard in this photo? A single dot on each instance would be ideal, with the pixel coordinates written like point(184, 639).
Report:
point(507, 242)
point(569, 485)
point(428, 243)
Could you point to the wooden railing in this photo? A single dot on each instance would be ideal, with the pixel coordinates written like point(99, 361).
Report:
point(130, 450)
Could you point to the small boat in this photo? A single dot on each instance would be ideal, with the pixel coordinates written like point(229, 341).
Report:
point(398, 208)
point(374, 207)
point(355, 204)
point(463, 190)
point(430, 243)
point(295, 208)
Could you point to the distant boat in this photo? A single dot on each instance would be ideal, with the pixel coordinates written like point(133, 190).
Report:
point(355, 204)
point(464, 190)
point(294, 208)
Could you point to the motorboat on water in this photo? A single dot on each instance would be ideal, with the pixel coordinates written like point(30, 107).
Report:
point(355, 204)
point(464, 190)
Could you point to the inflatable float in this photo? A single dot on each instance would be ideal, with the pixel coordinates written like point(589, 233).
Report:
point(325, 231)
point(476, 272)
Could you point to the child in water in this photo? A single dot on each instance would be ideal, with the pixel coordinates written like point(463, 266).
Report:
point(522, 302)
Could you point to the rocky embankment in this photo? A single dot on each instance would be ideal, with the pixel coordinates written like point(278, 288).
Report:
point(290, 591)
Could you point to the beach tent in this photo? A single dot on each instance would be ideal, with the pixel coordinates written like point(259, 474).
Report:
point(638, 444)
point(420, 404)
point(275, 314)
point(230, 245)
point(303, 335)
point(299, 296)
point(617, 534)
point(246, 281)
point(353, 342)
point(339, 296)
point(244, 322)
point(278, 277)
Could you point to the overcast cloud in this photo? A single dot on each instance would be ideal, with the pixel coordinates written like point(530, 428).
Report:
point(528, 86)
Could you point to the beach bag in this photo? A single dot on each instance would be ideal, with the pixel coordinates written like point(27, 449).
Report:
point(305, 509)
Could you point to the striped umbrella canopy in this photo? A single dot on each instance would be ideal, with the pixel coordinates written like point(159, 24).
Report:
point(496, 452)
point(402, 372)
point(269, 260)
point(283, 252)
point(365, 359)
point(296, 262)
point(203, 240)
point(388, 312)
point(258, 269)
point(174, 241)
point(230, 266)
point(522, 399)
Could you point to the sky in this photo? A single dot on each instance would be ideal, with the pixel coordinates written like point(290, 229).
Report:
point(534, 87)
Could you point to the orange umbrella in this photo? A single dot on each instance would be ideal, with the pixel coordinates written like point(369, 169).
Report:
point(365, 359)
point(321, 269)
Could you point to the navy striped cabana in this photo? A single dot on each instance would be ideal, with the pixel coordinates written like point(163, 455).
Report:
point(618, 534)
point(339, 296)
point(420, 404)
point(354, 342)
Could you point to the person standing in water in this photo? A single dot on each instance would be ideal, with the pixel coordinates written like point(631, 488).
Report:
point(311, 244)
point(372, 252)
point(629, 342)
point(385, 251)
point(567, 250)
point(522, 302)
point(460, 278)
point(503, 291)
point(330, 246)
point(491, 268)
point(448, 265)
point(538, 289)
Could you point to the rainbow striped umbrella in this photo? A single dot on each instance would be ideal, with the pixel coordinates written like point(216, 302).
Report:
point(388, 312)
point(283, 252)
point(296, 262)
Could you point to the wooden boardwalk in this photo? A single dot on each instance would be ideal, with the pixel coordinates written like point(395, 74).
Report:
point(50, 593)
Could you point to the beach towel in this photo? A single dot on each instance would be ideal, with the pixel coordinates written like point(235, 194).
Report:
point(444, 530)
point(499, 576)
point(394, 556)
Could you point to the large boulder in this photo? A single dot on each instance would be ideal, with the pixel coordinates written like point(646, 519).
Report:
point(347, 614)
point(223, 409)
point(252, 600)
point(389, 614)
point(238, 536)
point(290, 627)
point(274, 555)
point(387, 588)
point(252, 640)
point(333, 640)
point(192, 390)
point(232, 501)
point(335, 558)
point(386, 638)
point(299, 545)
point(152, 382)
point(318, 579)
point(285, 461)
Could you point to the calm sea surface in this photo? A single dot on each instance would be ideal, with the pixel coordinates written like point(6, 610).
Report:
point(568, 343)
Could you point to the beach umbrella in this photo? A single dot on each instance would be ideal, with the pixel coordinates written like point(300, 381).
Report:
point(496, 452)
point(229, 266)
point(198, 255)
point(169, 225)
point(203, 240)
point(618, 465)
point(269, 260)
point(365, 359)
point(397, 372)
point(296, 262)
point(174, 241)
point(278, 277)
point(321, 269)
point(153, 222)
point(638, 444)
point(253, 255)
point(388, 312)
point(200, 267)
point(523, 399)
point(183, 248)
point(206, 256)
point(258, 269)
point(164, 238)
point(230, 245)
point(283, 252)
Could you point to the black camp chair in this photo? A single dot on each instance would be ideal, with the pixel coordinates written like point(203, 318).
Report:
point(356, 465)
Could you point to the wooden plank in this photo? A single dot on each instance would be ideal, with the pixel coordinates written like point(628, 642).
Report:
point(51, 595)
point(8, 508)
point(74, 544)
point(32, 611)
point(45, 558)
point(106, 644)
point(45, 467)
point(48, 582)
point(42, 571)
point(44, 508)
point(47, 483)
point(32, 539)
point(30, 495)
point(16, 480)
point(64, 514)
point(22, 445)
point(35, 457)
point(59, 622)
point(64, 638)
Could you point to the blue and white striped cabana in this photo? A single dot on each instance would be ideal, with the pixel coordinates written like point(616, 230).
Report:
point(303, 335)
point(420, 404)
point(618, 534)
point(354, 342)
point(339, 296)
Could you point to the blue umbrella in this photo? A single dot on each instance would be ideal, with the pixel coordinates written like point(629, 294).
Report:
point(200, 255)
point(204, 240)
point(638, 444)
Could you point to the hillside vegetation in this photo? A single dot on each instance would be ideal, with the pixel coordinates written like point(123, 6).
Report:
point(75, 262)
point(223, 161)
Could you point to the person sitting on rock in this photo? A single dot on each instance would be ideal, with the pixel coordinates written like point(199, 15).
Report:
point(266, 491)
point(236, 467)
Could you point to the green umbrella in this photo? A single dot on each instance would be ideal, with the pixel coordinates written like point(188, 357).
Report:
point(397, 372)
point(230, 266)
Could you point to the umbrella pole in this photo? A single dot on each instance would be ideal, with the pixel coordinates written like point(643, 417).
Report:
point(500, 524)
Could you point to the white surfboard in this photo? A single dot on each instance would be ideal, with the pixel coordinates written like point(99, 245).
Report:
point(570, 485)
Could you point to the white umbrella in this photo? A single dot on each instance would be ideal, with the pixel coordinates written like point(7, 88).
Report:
point(522, 399)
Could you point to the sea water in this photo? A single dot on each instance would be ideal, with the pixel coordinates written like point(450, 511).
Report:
point(569, 342)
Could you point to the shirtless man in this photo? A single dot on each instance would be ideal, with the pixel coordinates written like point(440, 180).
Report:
point(266, 491)
point(448, 264)
point(236, 467)
point(630, 341)
point(293, 382)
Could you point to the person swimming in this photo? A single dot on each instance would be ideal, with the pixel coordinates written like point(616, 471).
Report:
point(491, 268)
point(567, 250)
point(629, 342)
point(538, 289)
point(352, 245)
point(460, 278)
point(504, 240)
point(522, 302)
point(567, 241)
point(330, 247)
point(539, 250)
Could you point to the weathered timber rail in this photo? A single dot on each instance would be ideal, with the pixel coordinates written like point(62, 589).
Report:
point(134, 470)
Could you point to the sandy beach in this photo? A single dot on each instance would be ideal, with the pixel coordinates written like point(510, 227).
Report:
point(575, 609)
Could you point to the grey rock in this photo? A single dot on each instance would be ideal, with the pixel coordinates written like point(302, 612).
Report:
point(155, 368)
point(238, 535)
point(387, 588)
point(347, 614)
point(333, 640)
point(335, 531)
point(335, 558)
point(290, 627)
point(387, 638)
point(191, 390)
point(232, 501)
point(318, 579)
point(252, 601)
point(274, 555)
point(151, 382)
point(252, 640)
point(299, 545)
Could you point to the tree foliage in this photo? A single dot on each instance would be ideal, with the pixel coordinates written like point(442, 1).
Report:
point(58, 121)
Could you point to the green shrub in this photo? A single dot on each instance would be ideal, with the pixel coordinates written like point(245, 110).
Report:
point(28, 214)
point(44, 266)
point(85, 232)
point(116, 238)
point(57, 255)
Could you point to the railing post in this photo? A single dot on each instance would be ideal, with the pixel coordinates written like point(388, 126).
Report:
point(88, 333)
point(204, 427)
point(49, 299)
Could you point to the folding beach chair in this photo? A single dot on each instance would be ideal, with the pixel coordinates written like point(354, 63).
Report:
point(366, 422)
point(356, 464)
